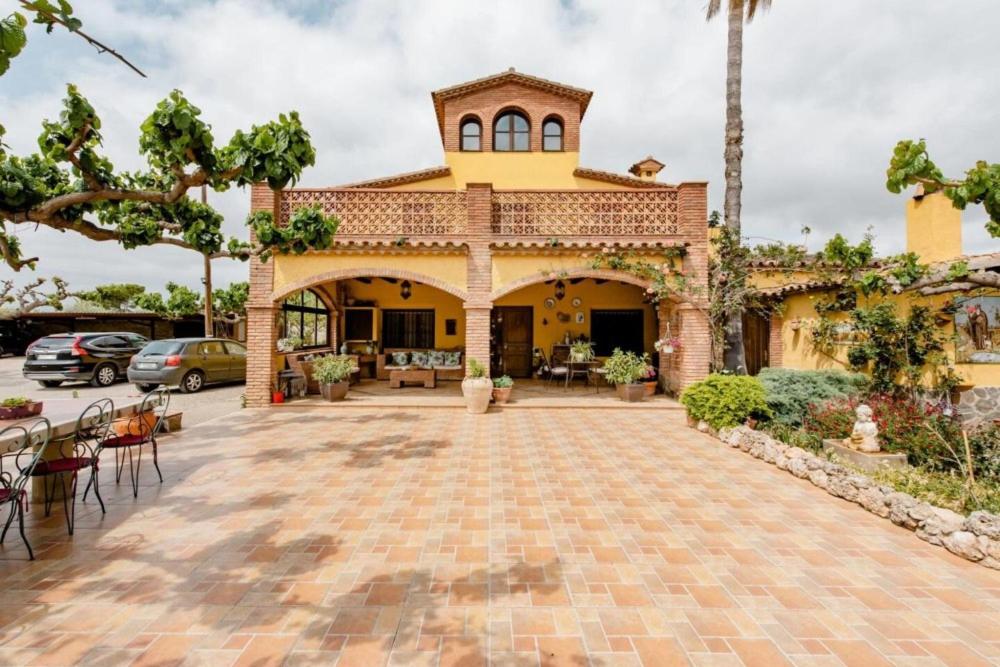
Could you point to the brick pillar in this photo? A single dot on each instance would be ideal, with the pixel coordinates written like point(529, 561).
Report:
point(694, 359)
point(695, 356)
point(479, 272)
point(775, 344)
point(261, 331)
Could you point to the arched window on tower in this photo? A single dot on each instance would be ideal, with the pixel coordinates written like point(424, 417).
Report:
point(510, 132)
point(472, 135)
point(552, 134)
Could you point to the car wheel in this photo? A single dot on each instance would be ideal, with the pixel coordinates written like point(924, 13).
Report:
point(146, 388)
point(105, 375)
point(50, 384)
point(192, 381)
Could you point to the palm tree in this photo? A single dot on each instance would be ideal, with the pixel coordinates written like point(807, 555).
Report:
point(739, 10)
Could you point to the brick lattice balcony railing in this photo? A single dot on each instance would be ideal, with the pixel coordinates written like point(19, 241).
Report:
point(385, 212)
point(585, 213)
point(515, 213)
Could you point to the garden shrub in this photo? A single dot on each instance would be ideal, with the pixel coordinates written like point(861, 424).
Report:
point(791, 392)
point(984, 444)
point(726, 400)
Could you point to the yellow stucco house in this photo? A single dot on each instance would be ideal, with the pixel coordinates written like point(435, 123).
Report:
point(488, 256)
point(968, 319)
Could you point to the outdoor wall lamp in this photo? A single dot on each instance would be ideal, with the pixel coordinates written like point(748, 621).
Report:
point(405, 290)
point(560, 290)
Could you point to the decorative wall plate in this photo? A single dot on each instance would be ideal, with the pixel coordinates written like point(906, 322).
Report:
point(550, 303)
point(577, 302)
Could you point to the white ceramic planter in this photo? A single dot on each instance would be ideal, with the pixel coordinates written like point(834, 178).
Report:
point(477, 393)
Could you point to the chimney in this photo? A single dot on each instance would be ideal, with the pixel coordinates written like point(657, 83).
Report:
point(933, 227)
point(647, 169)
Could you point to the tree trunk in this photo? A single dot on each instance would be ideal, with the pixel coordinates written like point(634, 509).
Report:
point(734, 356)
point(209, 323)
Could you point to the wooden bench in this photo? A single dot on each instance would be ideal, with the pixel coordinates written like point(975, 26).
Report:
point(425, 375)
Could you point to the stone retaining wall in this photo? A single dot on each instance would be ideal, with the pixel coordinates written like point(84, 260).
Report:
point(975, 538)
point(979, 405)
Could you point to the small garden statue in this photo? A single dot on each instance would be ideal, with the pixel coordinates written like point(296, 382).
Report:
point(864, 435)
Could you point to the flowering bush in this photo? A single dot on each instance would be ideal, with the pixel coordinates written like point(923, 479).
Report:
point(917, 429)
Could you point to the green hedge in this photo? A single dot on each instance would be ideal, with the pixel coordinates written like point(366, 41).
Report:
point(726, 400)
point(791, 392)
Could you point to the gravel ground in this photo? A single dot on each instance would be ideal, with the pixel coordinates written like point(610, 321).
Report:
point(211, 402)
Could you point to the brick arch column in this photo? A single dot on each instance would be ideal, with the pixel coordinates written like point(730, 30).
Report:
point(261, 312)
point(479, 273)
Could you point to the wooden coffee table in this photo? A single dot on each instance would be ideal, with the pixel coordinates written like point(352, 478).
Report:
point(425, 375)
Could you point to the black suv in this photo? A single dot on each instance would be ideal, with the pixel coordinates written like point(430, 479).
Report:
point(98, 358)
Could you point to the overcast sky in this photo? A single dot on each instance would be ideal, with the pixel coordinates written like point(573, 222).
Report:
point(829, 87)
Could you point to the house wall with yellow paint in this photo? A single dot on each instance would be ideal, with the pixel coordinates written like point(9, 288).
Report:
point(799, 315)
point(316, 267)
point(934, 233)
point(548, 330)
point(386, 296)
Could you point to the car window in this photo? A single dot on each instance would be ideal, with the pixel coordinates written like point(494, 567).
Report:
point(136, 341)
point(164, 347)
point(105, 342)
point(236, 349)
point(53, 343)
point(211, 347)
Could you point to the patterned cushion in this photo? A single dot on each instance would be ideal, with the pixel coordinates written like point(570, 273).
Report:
point(419, 359)
point(400, 358)
point(436, 358)
point(452, 358)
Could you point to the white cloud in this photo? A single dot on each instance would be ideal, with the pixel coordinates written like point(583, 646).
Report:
point(829, 88)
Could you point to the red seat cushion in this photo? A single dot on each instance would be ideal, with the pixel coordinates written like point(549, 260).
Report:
point(127, 440)
point(5, 494)
point(61, 465)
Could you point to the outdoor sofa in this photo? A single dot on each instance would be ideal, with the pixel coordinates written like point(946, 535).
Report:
point(448, 364)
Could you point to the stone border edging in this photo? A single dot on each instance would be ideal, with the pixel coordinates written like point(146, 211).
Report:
point(975, 538)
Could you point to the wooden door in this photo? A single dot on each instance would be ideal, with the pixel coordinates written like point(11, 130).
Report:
point(756, 341)
point(514, 338)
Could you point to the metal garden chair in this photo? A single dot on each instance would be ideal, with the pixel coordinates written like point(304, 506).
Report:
point(138, 432)
point(26, 450)
point(76, 453)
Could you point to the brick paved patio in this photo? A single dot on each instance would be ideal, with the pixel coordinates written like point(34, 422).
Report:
point(426, 537)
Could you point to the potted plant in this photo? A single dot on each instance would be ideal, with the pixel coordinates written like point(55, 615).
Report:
point(502, 387)
point(19, 407)
point(625, 370)
point(668, 345)
point(649, 380)
point(477, 388)
point(332, 373)
point(277, 396)
point(581, 351)
point(289, 344)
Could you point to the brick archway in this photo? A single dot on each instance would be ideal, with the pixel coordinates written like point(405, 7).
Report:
point(367, 272)
point(569, 274)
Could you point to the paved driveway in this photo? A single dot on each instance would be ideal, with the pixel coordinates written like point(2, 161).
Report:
point(211, 402)
point(529, 536)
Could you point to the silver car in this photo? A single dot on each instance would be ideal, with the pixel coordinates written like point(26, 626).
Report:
point(189, 363)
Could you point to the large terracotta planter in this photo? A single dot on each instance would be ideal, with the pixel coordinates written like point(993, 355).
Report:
point(502, 394)
point(477, 393)
point(631, 393)
point(334, 392)
point(30, 410)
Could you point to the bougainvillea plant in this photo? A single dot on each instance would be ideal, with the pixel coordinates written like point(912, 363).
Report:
point(71, 187)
